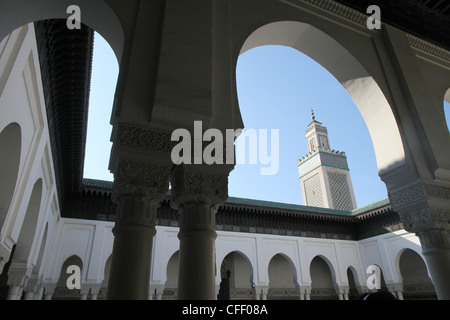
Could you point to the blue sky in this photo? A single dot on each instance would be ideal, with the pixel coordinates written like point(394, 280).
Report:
point(277, 87)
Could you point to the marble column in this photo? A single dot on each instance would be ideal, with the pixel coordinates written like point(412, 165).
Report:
point(197, 191)
point(138, 190)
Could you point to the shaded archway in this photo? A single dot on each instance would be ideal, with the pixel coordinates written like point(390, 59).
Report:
point(416, 282)
point(28, 229)
point(322, 283)
point(171, 285)
point(62, 292)
point(353, 292)
point(282, 279)
point(104, 284)
point(236, 273)
point(10, 149)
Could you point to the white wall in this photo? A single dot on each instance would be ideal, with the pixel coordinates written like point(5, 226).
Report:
point(22, 102)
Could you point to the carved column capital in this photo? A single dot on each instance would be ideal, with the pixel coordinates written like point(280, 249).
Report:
point(194, 183)
point(18, 274)
point(138, 190)
point(422, 206)
point(143, 179)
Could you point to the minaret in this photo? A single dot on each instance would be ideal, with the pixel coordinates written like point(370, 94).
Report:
point(324, 173)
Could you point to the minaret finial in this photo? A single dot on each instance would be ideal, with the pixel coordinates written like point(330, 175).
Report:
point(312, 114)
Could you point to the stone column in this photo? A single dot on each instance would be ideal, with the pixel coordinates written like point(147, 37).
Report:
point(197, 191)
point(424, 209)
point(138, 190)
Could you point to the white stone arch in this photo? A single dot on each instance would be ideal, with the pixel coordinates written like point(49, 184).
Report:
point(413, 275)
point(359, 281)
point(250, 281)
point(350, 72)
point(292, 265)
point(398, 255)
point(61, 280)
point(333, 270)
point(242, 252)
point(62, 260)
point(96, 14)
point(245, 251)
point(333, 280)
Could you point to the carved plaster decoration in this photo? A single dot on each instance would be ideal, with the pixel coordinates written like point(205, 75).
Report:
point(141, 178)
point(429, 48)
point(360, 18)
point(416, 212)
point(334, 8)
point(432, 239)
point(18, 274)
point(138, 190)
point(144, 138)
point(408, 195)
point(190, 185)
point(437, 191)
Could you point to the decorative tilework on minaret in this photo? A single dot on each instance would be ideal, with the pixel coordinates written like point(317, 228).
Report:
point(324, 173)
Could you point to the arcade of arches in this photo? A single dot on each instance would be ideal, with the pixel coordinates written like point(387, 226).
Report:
point(177, 62)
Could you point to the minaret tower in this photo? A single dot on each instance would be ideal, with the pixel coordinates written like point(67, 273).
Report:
point(324, 173)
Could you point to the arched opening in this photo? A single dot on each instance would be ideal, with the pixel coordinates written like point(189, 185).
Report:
point(416, 283)
point(171, 286)
point(104, 285)
point(96, 14)
point(28, 229)
point(237, 278)
point(62, 292)
point(447, 108)
point(10, 147)
point(273, 109)
point(322, 284)
point(105, 71)
point(353, 290)
point(282, 279)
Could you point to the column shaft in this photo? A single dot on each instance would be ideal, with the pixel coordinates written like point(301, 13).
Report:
point(130, 264)
point(197, 254)
point(197, 192)
point(138, 190)
point(436, 250)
